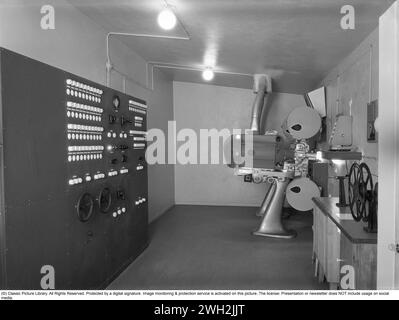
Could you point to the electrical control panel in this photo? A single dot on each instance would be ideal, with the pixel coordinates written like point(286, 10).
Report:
point(74, 191)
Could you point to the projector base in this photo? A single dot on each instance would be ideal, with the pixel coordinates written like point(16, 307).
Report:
point(271, 210)
point(289, 234)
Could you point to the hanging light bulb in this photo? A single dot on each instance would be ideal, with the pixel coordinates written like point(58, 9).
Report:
point(167, 19)
point(208, 74)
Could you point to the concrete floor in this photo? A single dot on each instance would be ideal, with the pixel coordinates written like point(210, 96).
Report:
point(199, 248)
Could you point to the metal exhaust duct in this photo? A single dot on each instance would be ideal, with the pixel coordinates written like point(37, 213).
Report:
point(262, 86)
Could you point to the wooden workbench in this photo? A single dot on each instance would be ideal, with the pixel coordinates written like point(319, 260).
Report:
point(339, 243)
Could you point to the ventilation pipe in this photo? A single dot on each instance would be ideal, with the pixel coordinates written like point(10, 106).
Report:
point(262, 86)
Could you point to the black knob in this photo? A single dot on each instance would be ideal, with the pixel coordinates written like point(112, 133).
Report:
point(123, 147)
point(121, 195)
point(125, 120)
point(124, 158)
point(112, 119)
point(114, 161)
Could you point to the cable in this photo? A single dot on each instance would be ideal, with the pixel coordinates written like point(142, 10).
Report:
point(371, 73)
point(182, 25)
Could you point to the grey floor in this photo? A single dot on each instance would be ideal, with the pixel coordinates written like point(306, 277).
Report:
point(212, 248)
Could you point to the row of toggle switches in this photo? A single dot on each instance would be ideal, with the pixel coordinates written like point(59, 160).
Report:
point(85, 157)
point(137, 104)
point(85, 148)
point(141, 201)
point(119, 212)
point(114, 135)
point(112, 173)
point(87, 178)
point(80, 136)
point(80, 127)
point(85, 87)
point(132, 109)
point(83, 116)
point(83, 107)
point(143, 139)
point(83, 91)
point(139, 145)
point(82, 95)
point(98, 176)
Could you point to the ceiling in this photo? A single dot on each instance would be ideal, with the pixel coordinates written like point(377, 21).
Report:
point(295, 41)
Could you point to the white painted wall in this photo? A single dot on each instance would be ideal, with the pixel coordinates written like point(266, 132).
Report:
point(198, 107)
point(355, 79)
point(77, 45)
point(369, 73)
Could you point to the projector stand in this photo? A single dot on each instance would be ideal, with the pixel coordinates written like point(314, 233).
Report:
point(271, 210)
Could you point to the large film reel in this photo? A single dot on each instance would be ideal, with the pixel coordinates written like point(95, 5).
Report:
point(361, 191)
point(300, 193)
point(367, 190)
point(302, 123)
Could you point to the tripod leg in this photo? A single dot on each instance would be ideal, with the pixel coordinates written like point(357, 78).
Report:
point(272, 225)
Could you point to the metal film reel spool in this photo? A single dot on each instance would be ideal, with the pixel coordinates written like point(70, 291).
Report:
point(302, 123)
point(366, 192)
point(300, 193)
point(355, 201)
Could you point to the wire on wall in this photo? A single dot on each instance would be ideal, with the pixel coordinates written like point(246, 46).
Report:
point(371, 73)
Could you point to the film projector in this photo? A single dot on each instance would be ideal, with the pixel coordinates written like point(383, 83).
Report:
point(363, 196)
point(263, 157)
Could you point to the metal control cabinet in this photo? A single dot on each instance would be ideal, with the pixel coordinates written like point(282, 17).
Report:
point(74, 192)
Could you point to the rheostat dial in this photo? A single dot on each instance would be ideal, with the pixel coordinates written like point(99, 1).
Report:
point(85, 207)
point(105, 200)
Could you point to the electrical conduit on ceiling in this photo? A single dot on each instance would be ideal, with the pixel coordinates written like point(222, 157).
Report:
point(154, 64)
point(110, 67)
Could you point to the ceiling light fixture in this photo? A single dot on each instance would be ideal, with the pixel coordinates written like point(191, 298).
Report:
point(208, 74)
point(167, 19)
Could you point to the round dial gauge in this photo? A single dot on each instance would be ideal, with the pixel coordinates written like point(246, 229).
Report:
point(105, 200)
point(85, 207)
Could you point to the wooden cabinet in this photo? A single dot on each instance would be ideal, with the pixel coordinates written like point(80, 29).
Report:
point(363, 258)
point(326, 248)
point(341, 244)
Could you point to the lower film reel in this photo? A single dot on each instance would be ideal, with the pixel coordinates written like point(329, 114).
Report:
point(300, 194)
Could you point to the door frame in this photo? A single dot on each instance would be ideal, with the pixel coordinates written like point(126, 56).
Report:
point(388, 168)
